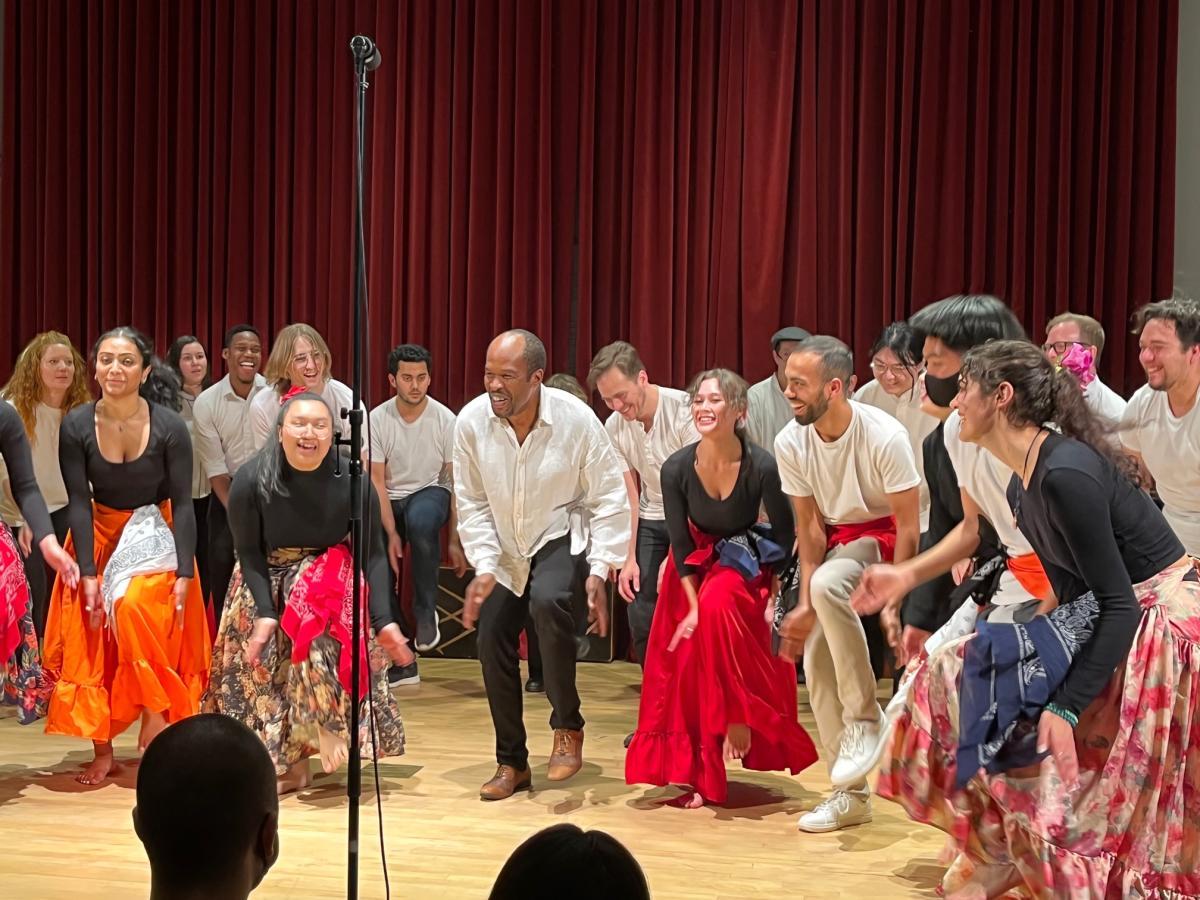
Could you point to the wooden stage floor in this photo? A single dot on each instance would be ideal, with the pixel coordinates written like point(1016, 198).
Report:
point(67, 841)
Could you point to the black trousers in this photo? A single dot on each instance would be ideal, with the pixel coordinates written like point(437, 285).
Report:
point(548, 598)
point(40, 576)
point(200, 506)
point(219, 569)
point(653, 544)
point(579, 610)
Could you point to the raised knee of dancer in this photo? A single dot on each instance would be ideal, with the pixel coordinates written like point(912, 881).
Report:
point(828, 587)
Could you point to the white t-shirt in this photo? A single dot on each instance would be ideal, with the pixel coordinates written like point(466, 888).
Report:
point(264, 410)
point(414, 454)
point(1170, 448)
point(849, 478)
point(645, 451)
point(986, 479)
point(767, 412)
point(906, 409)
point(1107, 404)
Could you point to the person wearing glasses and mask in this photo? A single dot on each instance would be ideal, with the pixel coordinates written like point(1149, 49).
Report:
point(1076, 341)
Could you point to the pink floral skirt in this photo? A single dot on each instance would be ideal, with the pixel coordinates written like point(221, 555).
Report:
point(1132, 828)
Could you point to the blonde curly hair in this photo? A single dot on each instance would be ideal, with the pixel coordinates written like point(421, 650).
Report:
point(24, 388)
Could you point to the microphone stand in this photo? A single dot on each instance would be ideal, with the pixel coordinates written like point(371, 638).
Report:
point(364, 52)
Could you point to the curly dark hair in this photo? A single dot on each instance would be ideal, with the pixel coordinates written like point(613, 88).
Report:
point(1041, 394)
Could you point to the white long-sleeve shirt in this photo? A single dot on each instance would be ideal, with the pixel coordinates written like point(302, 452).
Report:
point(221, 435)
point(514, 498)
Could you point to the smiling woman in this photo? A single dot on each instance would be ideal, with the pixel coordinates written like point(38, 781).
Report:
point(283, 656)
point(126, 459)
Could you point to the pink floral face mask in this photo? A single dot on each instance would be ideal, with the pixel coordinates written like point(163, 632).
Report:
point(1078, 360)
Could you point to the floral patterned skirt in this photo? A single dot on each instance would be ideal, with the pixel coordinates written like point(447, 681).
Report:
point(285, 703)
point(24, 684)
point(1132, 828)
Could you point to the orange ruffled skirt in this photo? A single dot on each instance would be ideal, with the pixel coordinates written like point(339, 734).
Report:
point(102, 682)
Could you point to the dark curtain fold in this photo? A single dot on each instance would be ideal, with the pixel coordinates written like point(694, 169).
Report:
point(686, 175)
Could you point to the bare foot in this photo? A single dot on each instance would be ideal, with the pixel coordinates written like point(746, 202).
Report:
point(101, 766)
point(152, 725)
point(689, 799)
point(334, 751)
point(737, 742)
point(296, 778)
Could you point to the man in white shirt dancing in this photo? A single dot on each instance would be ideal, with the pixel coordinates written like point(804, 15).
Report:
point(648, 424)
point(523, 455)
point(850, 471)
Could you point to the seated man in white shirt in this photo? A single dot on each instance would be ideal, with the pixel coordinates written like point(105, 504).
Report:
point(223, 441)
point(412, 446)
point(1162, 422)
point(850, 471)
point(1068, 330)
point(524, 454)
point(768, 410)
point(647, 425)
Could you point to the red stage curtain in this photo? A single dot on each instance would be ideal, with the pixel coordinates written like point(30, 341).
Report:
point(687, 175)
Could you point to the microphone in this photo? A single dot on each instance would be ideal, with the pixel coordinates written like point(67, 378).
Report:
point(363, 48)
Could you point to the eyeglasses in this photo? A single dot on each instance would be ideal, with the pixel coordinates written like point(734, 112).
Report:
point(1061, 347)
point(897, 371)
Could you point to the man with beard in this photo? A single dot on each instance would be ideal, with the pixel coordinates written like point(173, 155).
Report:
point(1161, 426)
point(850, 471)
point(412, 446)
point(769, 410)
point(223, 441)
point(524, 456)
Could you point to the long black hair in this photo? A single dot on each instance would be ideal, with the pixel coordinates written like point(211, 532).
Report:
point(163, 385)
point(1043, 393)
point(271, 458)
point(908, 346)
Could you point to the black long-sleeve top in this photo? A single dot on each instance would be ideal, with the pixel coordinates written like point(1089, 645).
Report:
point(315, 513)
point(928, 605)
point(14, 448)
point(162, 472)
point(1094, 531)
point(684, 499)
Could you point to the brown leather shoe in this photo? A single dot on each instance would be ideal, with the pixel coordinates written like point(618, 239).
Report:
point(506, 782)
point(567, 756)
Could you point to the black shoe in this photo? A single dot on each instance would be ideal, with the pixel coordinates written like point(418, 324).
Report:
point(398, 675)
point(534, 686)
point(628, 740)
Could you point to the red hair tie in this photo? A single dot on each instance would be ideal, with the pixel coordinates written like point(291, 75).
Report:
point(293, 392)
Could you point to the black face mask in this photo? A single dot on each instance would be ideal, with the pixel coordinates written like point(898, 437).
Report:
point(941, 390)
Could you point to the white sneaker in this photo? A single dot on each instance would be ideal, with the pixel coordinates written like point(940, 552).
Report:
point(862, 745)
point(841, 809)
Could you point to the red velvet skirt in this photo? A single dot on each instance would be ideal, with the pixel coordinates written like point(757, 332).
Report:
point(725, 674)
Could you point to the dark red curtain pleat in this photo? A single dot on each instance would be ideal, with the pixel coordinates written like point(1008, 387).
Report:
point(689, 176)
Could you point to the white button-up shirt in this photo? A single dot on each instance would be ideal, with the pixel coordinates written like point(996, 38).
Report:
point(221, 434)
point(515, 498)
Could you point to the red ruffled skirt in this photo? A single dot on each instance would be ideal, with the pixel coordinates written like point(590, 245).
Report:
point(725, 674)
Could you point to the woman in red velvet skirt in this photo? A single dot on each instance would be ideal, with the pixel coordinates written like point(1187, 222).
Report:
point(712, 689)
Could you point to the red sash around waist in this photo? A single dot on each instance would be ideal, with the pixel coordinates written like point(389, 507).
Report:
point(882, 530)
